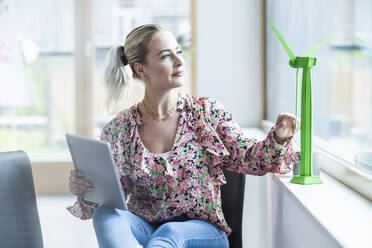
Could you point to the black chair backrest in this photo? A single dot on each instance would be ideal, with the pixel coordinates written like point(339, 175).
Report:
point(19, 218)
point(232, 196)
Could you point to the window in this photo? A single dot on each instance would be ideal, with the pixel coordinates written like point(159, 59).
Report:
point(341, 79)
point(37, 76)
point(39, 101)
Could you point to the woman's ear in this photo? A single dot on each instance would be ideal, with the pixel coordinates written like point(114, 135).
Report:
point(138, 67)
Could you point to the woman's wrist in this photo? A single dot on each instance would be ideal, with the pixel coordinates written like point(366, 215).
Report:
point(281, 140)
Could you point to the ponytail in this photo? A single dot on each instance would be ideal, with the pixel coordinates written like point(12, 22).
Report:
point(118, 79)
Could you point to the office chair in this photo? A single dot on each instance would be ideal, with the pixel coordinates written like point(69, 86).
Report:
point(19, 218)
point(232, 197)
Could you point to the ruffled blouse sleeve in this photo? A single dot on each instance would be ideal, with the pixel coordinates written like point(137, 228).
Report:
point(82, 208)
point(245, 154)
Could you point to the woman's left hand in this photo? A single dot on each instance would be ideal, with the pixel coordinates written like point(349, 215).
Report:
point(286, 126)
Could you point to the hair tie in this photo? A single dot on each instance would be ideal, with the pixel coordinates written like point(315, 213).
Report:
point(122, 56)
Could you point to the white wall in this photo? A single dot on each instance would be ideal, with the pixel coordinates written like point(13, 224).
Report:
point(273, 218)
point(255, 217)
point(229, 64)
point(292, 225)
point(229, 59)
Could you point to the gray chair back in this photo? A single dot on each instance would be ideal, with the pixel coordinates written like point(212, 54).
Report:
point(232, 197)
point(19, 218)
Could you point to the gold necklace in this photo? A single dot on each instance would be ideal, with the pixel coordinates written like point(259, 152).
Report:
point(156, 116)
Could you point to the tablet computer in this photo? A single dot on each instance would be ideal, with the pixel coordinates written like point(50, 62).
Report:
point(94, 158)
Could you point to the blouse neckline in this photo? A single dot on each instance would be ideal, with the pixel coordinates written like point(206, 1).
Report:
point(139, 122)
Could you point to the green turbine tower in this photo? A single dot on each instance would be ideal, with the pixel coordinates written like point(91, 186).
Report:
point(306, 63)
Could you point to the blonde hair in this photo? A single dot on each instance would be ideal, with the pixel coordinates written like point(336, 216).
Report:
point(120, 79)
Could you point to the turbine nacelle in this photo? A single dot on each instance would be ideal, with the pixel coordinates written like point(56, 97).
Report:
point(302, 62)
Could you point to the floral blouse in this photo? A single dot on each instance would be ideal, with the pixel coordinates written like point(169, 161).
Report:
point(188, 182)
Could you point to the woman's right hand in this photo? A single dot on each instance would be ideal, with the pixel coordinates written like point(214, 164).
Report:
point(79, 185)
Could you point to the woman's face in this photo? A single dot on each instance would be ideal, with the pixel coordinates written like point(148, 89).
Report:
point(165, 65)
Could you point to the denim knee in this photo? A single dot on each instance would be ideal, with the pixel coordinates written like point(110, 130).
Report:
point(119, 228)
point(100, 213)
point(170, 229)
point(105, 217)
point(192, 233)
point(167, 236)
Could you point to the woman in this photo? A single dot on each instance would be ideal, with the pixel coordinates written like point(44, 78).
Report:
point(170, 149)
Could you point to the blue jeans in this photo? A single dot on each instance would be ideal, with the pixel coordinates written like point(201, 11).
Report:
point(120, 228)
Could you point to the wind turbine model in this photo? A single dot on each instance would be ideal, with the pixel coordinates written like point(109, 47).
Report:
point(306, 63)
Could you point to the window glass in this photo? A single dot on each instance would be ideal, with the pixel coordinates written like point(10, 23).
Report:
point(341, 79)
point(37, 76)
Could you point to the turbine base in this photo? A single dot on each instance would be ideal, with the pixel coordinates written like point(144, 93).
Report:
point(306, 180)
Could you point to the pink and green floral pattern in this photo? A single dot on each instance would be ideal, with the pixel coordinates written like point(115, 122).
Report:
point(207, 139)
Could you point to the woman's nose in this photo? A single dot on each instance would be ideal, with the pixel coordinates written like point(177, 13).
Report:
point(179, 60)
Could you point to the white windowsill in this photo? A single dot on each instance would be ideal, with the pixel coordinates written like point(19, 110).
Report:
point(342, 212)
